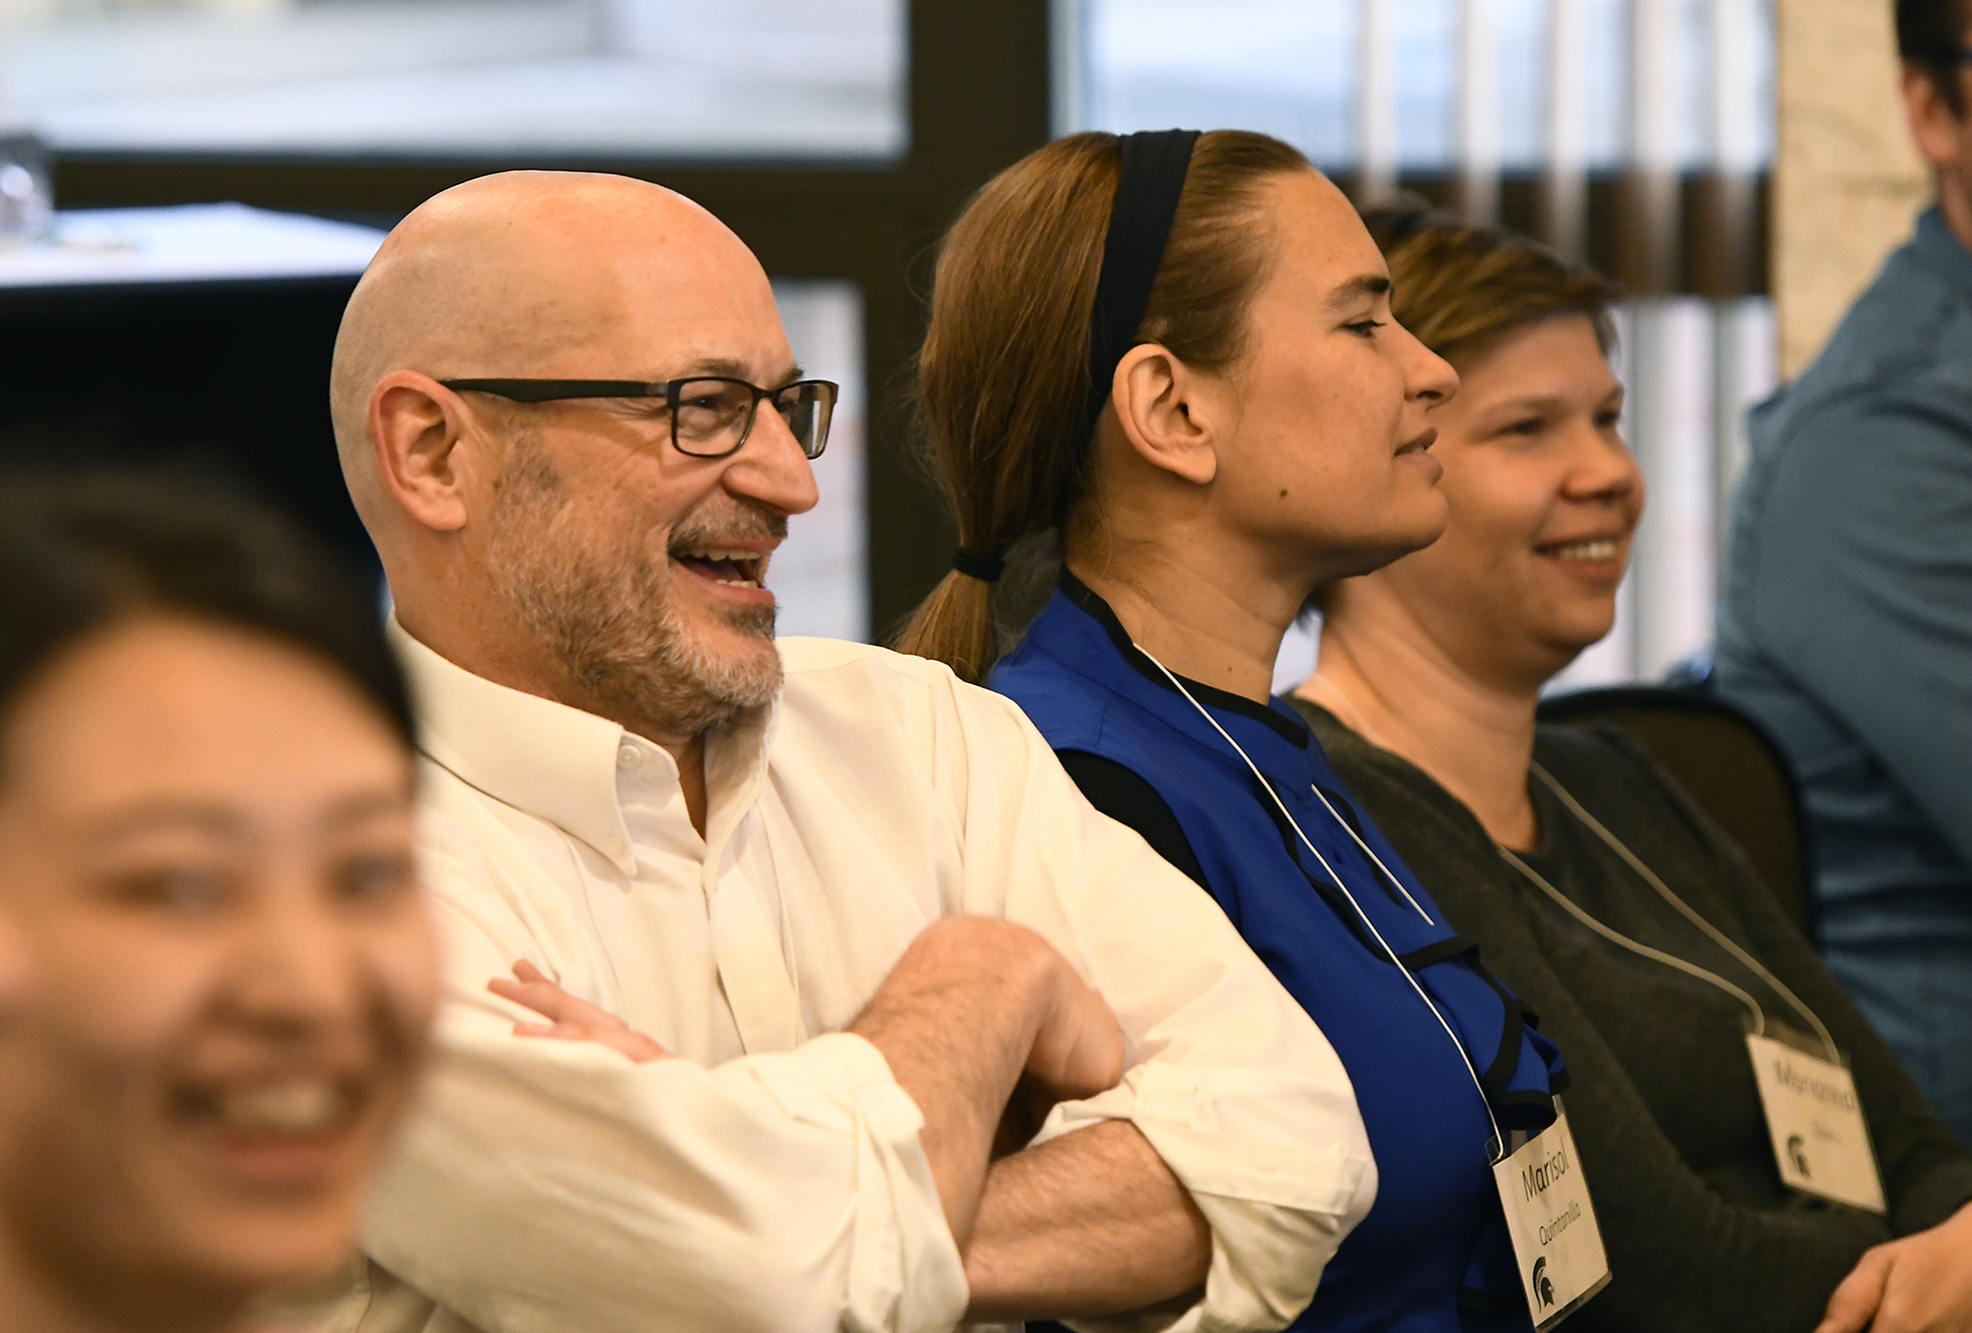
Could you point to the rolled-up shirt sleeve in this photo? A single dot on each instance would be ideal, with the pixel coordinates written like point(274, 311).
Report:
point(547, 1186)
point(1228, 1078)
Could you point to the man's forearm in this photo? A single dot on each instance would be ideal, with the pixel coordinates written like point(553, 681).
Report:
point(1092, 1223)
point(972, 1004)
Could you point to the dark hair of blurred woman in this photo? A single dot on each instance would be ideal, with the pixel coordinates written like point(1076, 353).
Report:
point(79, 554)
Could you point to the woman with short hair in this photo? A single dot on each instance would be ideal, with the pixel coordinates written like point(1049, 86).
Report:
point(1172, 356)
point(206, 849)
point(1595, 886)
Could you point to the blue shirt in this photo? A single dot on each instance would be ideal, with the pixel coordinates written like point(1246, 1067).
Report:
point(1846, 621)
point(1432, 1254)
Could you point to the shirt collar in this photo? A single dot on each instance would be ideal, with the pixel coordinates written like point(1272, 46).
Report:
point(560, 763)
point(547, 759)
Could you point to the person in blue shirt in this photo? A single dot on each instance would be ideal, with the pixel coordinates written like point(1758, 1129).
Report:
point(1172, 355)
point(1846, 621)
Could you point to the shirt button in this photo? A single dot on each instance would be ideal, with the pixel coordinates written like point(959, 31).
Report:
point(628, 757)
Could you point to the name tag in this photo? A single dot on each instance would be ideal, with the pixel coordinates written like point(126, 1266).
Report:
point(1552, 1223)
point(1820, 1140)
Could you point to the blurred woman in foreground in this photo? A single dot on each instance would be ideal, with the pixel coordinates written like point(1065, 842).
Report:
point(1540, 842)
point(206, 850)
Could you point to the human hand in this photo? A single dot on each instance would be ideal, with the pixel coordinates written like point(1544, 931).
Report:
point(1078, 1049)
point(570, 1019)
point(1920, 1284)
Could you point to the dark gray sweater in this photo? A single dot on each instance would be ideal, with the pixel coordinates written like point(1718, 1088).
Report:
point(1700, 1231)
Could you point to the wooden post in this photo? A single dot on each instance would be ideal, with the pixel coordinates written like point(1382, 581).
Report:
point(1847, 181)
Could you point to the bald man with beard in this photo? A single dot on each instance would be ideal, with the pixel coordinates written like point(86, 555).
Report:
point(814, 921)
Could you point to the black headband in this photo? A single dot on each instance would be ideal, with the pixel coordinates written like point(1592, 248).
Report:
point(1147, 190)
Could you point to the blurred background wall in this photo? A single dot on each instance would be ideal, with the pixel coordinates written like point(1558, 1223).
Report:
point(1740, 165)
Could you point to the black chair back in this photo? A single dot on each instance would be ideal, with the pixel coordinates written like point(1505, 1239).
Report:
point(1728, 764)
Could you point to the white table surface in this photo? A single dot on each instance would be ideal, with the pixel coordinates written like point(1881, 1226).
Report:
point(188, 243)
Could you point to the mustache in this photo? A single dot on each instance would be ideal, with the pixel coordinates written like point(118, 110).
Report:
point(748, 521)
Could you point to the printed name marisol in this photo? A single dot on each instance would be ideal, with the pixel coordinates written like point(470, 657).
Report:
point(1536, 1179)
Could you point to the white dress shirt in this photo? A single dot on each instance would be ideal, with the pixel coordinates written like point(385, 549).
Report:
point(772, 1178)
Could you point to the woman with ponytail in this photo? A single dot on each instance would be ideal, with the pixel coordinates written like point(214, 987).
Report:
point(1172, 354)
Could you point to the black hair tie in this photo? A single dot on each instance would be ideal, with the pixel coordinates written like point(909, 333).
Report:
point(1148, 186)
point(978, 565)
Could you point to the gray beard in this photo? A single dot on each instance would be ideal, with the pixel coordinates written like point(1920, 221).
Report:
point(608, 616)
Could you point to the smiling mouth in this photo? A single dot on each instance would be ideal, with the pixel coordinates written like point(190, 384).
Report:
point(1596, 551)
point(303, 1106)
point(725, 565)
point(1421, 444)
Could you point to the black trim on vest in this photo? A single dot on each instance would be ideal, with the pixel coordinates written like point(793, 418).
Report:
point(1291, 730)
point(1128, 798)
point(1506, 1061)
point(1498, 1077)
point(1515, 1017)
point(1519, 1019)
point(1432, 954)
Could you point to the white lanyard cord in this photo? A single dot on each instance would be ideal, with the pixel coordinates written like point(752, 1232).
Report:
point(1499, 1138)
point(1657, 955)
point(1650, 877)
point(1370, 854)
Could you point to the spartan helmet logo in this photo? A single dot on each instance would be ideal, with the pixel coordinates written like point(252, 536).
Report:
point(1797, 1151)
point(1543, 1285)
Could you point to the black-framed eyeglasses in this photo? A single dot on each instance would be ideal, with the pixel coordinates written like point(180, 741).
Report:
point(710, 415)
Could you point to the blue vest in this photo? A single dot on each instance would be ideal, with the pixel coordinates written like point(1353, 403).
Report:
point(1432, 1255)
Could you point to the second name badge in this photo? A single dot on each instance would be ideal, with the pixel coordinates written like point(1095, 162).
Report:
point(1820, 1140)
